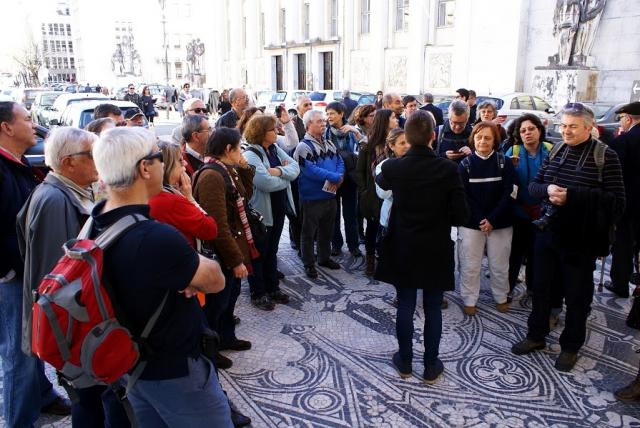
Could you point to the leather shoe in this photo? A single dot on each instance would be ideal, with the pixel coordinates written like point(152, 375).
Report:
point(432, 372)
point(566, 360)
point(279, 297)
point(237, 418)
point(264, 303)
point(403, 367)
point(330, 264)
point(279, 275)
point(527, 345)
point(236, 345)
point(311, 272)
point(618, 291)
point(335, 252)
point(236, 319)
point(59, 407)
point(356, 253)
point(222, 362)
point(630, 392)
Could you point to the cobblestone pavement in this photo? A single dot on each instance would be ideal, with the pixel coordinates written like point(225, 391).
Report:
point(324, 360)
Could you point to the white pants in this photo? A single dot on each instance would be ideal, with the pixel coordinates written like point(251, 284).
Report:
point(471, 244)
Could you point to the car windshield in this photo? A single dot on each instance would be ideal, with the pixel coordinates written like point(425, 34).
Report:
point(317, 96)
point(278, 97)
point(600, 110)
point(47, 100)
point(367, 99)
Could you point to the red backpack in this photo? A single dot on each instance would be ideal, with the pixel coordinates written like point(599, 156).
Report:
point(74, 327)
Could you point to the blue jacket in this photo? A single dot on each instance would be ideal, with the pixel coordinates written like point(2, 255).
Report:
point(526, 171)
point(265, 183)
point(17, 181)
point(489, 187)
point(319, 162)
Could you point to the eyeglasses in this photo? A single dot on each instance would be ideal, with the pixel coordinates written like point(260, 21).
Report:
point(199, 110)
point(529, 129)
point(620, 117)
point(207, 130)
point(153, 155)
point(131, 87)
point(87, 153)
point(459, 124)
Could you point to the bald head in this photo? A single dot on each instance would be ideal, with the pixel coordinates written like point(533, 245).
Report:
point(393, 101)
point(303, 105)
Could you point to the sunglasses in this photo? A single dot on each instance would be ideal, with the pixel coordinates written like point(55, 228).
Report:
point(199, 110)
point(153, 155)
point(619, 117)
point(131, 88)
point(87, 153)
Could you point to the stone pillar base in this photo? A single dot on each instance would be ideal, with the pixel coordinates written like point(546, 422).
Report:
point(563, 85)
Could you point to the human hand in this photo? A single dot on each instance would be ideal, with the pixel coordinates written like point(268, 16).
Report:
point(240, 271)
point(189, 292)
point(184, 186)
point(450, 154)
point(557, 194)
point(465, 150)
point(485, 226)
point(275, 172)
point(284, 115)
point(349, 128)
point(242, 163)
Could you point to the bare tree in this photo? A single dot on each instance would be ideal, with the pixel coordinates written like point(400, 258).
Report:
point(29, 61)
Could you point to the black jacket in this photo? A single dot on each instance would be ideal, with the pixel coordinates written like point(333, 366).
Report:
point(627, 146)
point(134, 98)
point(435, 111)
point(428, 198)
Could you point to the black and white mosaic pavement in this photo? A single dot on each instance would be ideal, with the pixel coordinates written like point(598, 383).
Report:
point(324, 360)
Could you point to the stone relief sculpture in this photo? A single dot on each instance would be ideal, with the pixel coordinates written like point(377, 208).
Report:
point(126, 59)
point(575, 23)
point(397, 77)
point(195, 51)
point(440, 70)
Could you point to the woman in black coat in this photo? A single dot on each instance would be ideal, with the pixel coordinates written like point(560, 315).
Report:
point(428, 199)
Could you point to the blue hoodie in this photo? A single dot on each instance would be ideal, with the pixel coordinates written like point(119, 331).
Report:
point(319, 162)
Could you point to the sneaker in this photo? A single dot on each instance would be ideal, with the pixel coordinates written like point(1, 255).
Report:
point(264, 303)
point(503, 307)
point(236, 345)
point(432, 372)
point(279, 297)
point(330, 264)
point(566, 360)
point(311, 271)
point(222, 362)
point(470, 310)
point(630, 392)
point(527, 345)
point(356, 253)
point(403, 368)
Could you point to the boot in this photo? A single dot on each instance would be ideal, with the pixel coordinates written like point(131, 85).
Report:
point(371, 265)
point(630, 392)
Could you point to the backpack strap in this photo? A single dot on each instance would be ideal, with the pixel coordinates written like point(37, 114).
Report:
point(501, 160)
point(255, 150)
point(439, 139)
point(599, 150)
point(466, 164)
point(555, 150)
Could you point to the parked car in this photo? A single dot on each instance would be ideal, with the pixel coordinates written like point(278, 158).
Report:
point(320, 99)
point(263, 98)
point(605, 115)
point(61, 103)
point(288, 98)
point(35, 154)
point(79, 114)
point(25, 96)
point(518, 103)
point(42, 107)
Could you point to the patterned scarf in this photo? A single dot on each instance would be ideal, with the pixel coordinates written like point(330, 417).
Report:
point(241, 212)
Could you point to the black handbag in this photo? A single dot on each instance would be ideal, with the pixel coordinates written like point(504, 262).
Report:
point(258, 229)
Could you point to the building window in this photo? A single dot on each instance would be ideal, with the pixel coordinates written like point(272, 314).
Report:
point(72, 62)
point(305, 21)
point(176, 41)
point(46, 62)
point(64, 46)
point(446, 9)
point(244, 32)
point(402, 15)
point(70, 47)
point(262, 31)
point(365, 16)
point(55, 29)
point(66, 62)
point(178, 66)
point(333, 28)
point(50, 29)
point(52, 45)
point(283, 26)
point(58, 49)
point(69, 30)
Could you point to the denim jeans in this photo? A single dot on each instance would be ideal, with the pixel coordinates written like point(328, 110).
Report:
point(196, 400)
point(219, 308)
point(347, 197)
point(25, 387)
point(432, 301)
point(98, 406)
point(265, 269)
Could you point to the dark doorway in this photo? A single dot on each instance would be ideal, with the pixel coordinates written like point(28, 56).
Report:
point(327, 65)
point(302, 71)
point(279, 73)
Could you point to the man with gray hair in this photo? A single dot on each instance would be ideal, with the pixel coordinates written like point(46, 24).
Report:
point(239, 101)
point(151, 263)
point(581, 185)
point(453, 136)
point(393, 101)
point(192, 106)
point(348, 103)
point(195, 134)
point(54, 214)
point(435, 111)
point(321, 173)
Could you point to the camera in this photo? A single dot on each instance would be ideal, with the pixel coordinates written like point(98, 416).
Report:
point(278, 111)
point(548, 211)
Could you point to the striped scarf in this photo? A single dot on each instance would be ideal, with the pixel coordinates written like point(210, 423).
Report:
point(241, 212)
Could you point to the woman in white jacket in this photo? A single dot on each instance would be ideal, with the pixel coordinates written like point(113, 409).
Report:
point(397, 146)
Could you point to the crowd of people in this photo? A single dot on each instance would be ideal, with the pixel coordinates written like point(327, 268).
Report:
point(429, 198)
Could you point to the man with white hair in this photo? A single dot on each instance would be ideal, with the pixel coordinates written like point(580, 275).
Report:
point(348, 103)
point(321, 173)
point(239, 101)
point(53, 214)
point(149, 263)
point(191, 107)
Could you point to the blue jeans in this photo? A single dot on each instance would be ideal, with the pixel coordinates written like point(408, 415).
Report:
point(432, 301)
point(98, 406)
point(26, 388)
point(347, 197)
point(195, 400)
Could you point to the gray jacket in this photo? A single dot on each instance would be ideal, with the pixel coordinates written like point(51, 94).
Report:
point(51, 216)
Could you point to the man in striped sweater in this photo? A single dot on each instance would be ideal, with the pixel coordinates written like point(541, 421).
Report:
point(584, 183)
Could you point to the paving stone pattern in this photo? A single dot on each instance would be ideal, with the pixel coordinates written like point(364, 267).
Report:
point(324, 360)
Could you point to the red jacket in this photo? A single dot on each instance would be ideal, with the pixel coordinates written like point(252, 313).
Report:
point(177, 211)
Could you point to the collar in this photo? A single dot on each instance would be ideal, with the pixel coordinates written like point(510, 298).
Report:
point(7, 154)
point(83, 195)
point(484, 157)
point(421, 151)
point(193, 153)
point(103, 220)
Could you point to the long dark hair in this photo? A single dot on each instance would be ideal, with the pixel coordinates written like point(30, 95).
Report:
point(377, 137)
point(518, 123)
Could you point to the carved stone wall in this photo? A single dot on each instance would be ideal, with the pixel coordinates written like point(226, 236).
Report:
point(439, 67)
point(396, 73)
